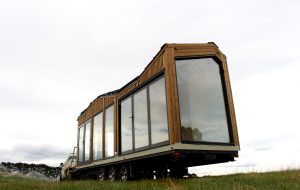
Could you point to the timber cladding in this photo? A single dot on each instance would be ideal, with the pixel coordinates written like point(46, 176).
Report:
point(164, 63)
point(97, 106)
point(150, 71)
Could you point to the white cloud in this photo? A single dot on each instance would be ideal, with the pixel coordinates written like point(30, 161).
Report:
point(57, 56)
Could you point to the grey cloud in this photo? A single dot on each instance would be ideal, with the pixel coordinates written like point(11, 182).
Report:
point(30, 153)
point(39, 152)
point(267, 143)
point(57, 55)
point(264, 148)
point(240, 164)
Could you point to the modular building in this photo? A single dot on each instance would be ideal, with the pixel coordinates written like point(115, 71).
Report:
point(177, 113)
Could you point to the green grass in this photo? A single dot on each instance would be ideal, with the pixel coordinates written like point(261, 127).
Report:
point(273, 180)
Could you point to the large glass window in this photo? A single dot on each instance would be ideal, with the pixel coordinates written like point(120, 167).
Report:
point(158, 112)
point(126, 125)
point(80, 143)
point(202, 108)
point(144, 115)
point(97, 140)
point(87, 141)
point(109, 132)
point(141, 132)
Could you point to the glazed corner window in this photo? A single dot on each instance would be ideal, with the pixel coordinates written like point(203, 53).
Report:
point(80, 143)
point(87, 141)
point(202, 107)
point(109, 132)
point(97, 140)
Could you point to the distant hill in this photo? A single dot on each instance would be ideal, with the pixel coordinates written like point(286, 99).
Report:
point(48, 171)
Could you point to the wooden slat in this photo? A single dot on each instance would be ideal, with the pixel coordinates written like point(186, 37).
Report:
point(172, 99)
point(89, 112)
point(168, 77)
point(81, 119)
point(128, 90)
point(198, 53)
point(176, 112)
point(152, 70)
point(193, 46)
point(230, 101)
point(209, 49)
point(98, 106)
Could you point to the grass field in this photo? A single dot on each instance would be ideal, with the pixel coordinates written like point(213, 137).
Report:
point(272, 180)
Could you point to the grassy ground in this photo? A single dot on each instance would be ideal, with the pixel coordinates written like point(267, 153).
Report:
point(272, 180)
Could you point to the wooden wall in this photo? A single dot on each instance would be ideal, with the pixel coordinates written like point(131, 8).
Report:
point(95, 107)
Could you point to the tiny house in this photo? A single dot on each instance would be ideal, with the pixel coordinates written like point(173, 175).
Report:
point(177, 113)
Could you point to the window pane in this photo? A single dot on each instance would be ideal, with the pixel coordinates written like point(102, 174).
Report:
point(109, 132)
point(87, 141)
point(141, 119)
point(202, 108)
point(98, 136)
point(158, 112)
point(81, 145)
point(126, 125)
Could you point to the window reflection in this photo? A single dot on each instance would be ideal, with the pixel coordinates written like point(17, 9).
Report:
point(81, 145)
point(135, 116)
point(141, 119)
point(109, 132)
point(97, 140)
point(87, 141)
point(202, 108)
point(158, 112)
point(126, 125)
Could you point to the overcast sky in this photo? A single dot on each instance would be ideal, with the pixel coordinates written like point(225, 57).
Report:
point(57, 56)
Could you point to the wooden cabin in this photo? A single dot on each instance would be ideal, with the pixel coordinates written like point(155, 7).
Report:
point(177, 113)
